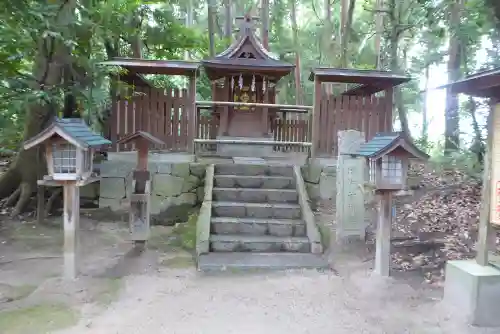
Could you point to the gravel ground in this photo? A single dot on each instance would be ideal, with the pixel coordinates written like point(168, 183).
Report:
point(183, 301)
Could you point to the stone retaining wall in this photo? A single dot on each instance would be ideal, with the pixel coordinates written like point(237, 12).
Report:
point(321, 182)
point(174, 186)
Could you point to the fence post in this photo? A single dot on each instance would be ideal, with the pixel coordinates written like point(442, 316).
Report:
point(192, 117)
point(315, 116)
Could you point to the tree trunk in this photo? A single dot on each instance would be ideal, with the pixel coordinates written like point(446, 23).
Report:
point(47, 70)
point(326, 45)
point(189, 23)
point(228, 23)
point(296, 46)
point(425, 125)
point(346, 30)
point(495, 5)
point(265, 23)
point(379, 26)
point(451, 135)
point(393, 53)
point(211, 27)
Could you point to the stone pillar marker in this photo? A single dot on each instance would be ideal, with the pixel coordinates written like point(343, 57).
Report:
point(139, 214)
point(350, 213)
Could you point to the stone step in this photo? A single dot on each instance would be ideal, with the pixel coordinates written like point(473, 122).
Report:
point(265, 261)
point(263, 244)
point(254, 169)
point(255, 195)
point(256, 226)
point(254, 181)
point(256, 210)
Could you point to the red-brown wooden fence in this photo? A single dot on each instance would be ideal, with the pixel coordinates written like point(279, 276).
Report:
point(163, 114)
point(367, 114)
point(160, 112)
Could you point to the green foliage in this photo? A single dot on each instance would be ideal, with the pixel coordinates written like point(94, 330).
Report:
point(99, 30)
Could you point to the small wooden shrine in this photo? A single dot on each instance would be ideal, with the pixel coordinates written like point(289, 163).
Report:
point(139, 213)
point(247, 73)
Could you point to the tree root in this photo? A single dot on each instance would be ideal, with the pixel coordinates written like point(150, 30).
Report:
point(24, 198)
point(51, 200)
point(11, 200)
point(9, 182)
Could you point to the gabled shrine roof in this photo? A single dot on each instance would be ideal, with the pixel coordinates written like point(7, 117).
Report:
point(384, 143)
point(73, 130)
point(232, 59)
point(141, 135)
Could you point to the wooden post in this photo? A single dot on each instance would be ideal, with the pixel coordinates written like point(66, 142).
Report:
point(389, 95)
point(224, 116)
point(315, 117)
point(265, 116)
point(383, 241)
point(488, 190)
point(71, 226)
point(139, 200)
point(192, 117)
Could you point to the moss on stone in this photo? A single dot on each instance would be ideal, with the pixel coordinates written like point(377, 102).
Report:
point(42, 318)
point(326, 235)
point(185, 233)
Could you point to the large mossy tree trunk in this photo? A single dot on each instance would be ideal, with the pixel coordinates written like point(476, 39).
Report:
point(19, 181)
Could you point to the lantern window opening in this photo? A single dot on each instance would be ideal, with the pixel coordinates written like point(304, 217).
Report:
point(392, 169)
point(64, 158)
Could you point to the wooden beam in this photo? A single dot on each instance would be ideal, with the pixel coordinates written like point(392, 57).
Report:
point(253, 142)
point(242, 104)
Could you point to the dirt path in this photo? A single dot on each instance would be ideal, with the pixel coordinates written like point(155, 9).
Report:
point(183, 301)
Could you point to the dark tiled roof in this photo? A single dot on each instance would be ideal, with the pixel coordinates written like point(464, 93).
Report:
point(72, 128)
point(80, 131)
point(380, 142)
point(384, 143)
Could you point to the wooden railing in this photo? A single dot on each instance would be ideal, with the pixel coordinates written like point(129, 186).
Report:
point(208, 147)
point(163, 114)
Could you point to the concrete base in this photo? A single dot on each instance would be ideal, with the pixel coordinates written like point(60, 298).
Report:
point(239, 150)
point(474, 290)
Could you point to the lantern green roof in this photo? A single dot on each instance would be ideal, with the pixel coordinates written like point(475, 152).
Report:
point(74, 130)
point(384, 143)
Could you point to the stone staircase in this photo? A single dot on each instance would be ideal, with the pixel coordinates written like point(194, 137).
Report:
point(257, 220)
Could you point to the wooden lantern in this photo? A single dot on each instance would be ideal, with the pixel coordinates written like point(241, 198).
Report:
point(388, 156)
point(69, 149)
